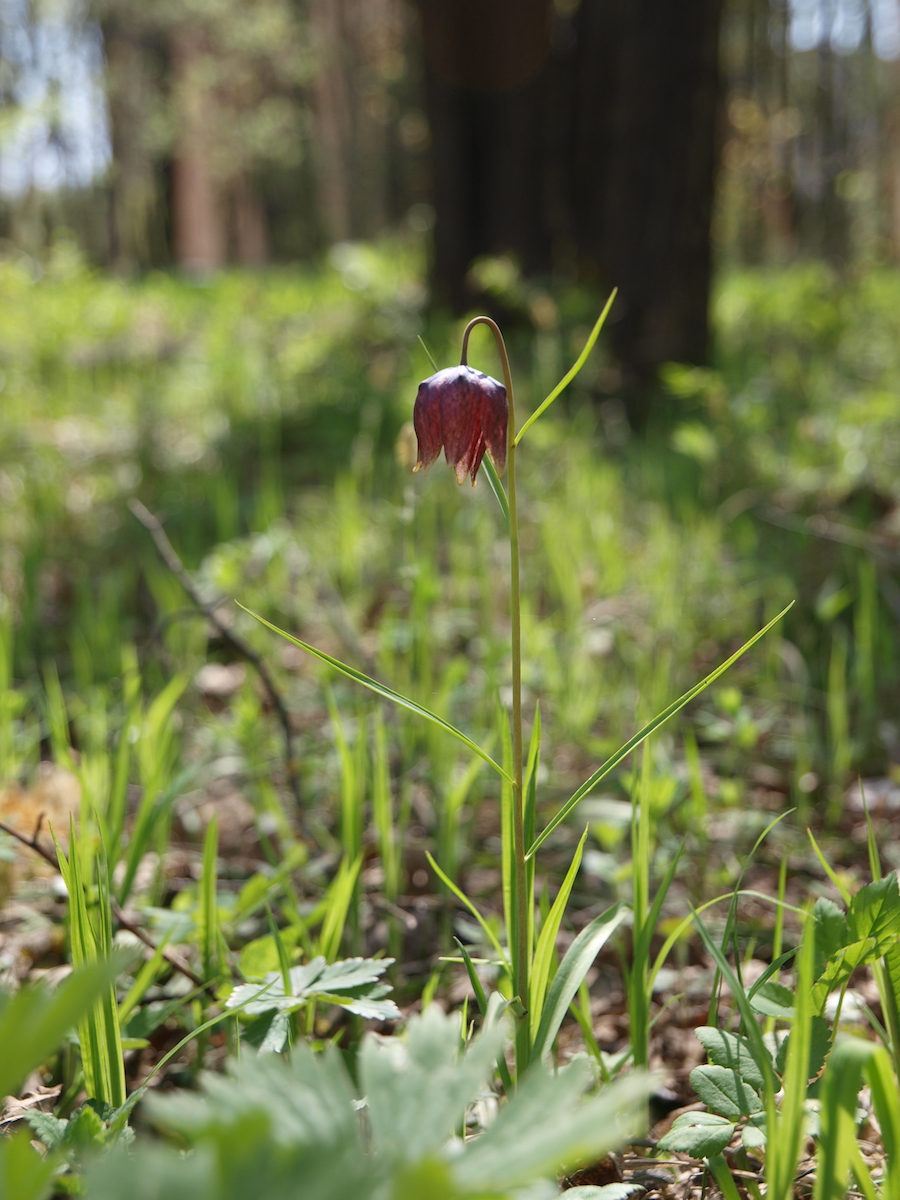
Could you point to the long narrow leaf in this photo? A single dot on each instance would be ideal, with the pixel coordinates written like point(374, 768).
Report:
point(786, 1133)
point(572, 970)
point(648, 926)
point(460, 895)
point(34, 1021)
point(546, 944)
point(496, 487)
point(623, 752)
point(570, 375)
point(477, 987)
point(837, 1116)
point(381, 690)
point(748, 1017)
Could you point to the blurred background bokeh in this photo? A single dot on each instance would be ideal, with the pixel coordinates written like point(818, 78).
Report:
point(224, 226)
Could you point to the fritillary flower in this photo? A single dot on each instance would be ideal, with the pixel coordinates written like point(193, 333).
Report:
point(465, 413)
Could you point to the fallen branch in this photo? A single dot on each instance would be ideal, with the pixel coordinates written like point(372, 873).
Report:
point(243, 649)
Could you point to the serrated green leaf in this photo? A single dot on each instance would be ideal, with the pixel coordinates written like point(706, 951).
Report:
point(831, 931)
point(874, 912)
point(820, 1044)
point(841, 966)
point(773, 1000)
point(698, 1134)
point(372, 1009)
point(350, 973)
point(268, 1033)
point(730, 1050)
point(724, 1092)
point(85, 1129)
point(49, 1129)
point(354, 984)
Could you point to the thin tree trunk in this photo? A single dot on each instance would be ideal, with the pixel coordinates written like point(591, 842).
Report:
point(133, 190)
point(598, 156)
point(644, 153)
point(333, 119)
point(198, 232)
point(251, 243)
point(486, 81)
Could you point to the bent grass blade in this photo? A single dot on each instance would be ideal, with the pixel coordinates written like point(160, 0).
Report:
point(381, 690)
point(642, 735)
point(570, 375)
point(460, 895)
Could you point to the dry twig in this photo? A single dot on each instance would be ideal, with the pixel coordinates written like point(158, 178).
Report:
point(245, 651)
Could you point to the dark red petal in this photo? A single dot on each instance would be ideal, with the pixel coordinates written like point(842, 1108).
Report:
point(494, 422)
point(466, 412)
point(471, 460)
point(427, 424)
point(460, 412)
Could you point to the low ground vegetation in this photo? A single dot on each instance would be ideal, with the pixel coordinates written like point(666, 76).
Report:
point(280, 875)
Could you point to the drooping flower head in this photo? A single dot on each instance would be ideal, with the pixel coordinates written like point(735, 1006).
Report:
point(464, 412)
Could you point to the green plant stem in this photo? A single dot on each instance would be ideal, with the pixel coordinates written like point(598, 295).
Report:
point(518, 934)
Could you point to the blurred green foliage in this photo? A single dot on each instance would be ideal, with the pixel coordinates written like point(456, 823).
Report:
point(259, 415)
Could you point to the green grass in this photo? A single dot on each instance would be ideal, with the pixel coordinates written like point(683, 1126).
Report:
point(258, 416)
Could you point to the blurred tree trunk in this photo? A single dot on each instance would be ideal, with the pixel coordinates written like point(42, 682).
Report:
point(645, 108)
point(332, 109)
point(359, 51)
point(198, 228)
point(133, 190)
point(251, 241)
point(584, 138)
point(891, 149)
point(487, 74)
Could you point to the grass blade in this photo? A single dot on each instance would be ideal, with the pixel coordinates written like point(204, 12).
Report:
point(339, 896)
point(496, 487)
point(34, 1021)
point(837, 1116)
point(385, 692)
point(748, 1017)
point(460, 895)
point(622, 753)
point(718, 1168)
point(209, 909)
point(477, 987)
point(546, 944)
point(570, 375)
point(786, 1133)
point(577, 962)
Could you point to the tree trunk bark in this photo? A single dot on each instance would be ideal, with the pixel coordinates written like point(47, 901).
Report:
point(587, 141)
point(643, 154)
point(251, 242)
point(333, 120)
point(486, 88)
point(198, 225)
point(134, 195)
